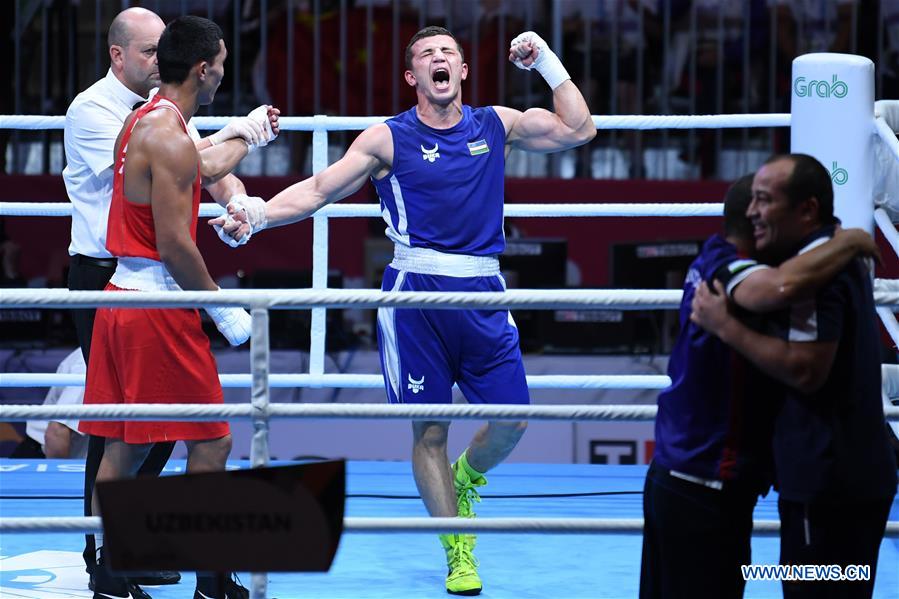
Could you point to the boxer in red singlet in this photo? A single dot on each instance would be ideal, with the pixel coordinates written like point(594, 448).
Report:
point(161, 355)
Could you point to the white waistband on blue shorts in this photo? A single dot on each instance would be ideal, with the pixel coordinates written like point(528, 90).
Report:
point(143, 274)
point(426, 261)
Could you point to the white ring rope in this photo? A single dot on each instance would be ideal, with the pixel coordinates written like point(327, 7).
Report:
point(887, 228)
point(698, 121)
point(318, 122)
point(618, 299)
point(373, 411)
point(888, 318)
point(210, 209)
point(886, 135)
point(682, 209)
point(361, 381)
point(418, 525)
point(886, 293)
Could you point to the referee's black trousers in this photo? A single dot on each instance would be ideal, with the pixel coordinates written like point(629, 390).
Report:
point(92, 274)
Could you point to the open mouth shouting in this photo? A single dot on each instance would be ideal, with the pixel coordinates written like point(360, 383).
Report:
point(441, 78)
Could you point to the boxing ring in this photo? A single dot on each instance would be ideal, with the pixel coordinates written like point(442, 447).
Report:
point(542, 516)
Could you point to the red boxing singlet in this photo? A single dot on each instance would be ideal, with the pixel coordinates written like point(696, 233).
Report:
point(150, 355)
point(130, 228)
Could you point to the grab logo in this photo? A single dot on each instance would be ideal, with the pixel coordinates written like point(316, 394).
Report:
point(839, 175)
point(822, 89)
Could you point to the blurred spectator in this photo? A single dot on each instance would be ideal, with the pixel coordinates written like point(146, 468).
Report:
point(9, 260)
point(7, 96)
point(888, 65)
point(57, 438)
point(619, 39)
point(805, 26)
point(719, 30)
point(716, 32)
point(353, 102)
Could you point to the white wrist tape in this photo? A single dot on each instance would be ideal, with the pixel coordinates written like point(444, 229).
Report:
point(547, 63)
point(253, 207)
point(235, 324)
point(254, 215)
point(220, 231)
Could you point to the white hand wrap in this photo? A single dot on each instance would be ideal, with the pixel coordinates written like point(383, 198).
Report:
point(259, 115)
point(220, 231)
point(254, 209)
point(234, 323)
point(547, 63)
point(243, 127)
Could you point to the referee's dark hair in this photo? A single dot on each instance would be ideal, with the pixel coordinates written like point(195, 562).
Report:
point(185, 42)
point(810, 179)
point(736, 201)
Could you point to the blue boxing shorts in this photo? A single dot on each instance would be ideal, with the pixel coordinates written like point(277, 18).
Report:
point(424, 352)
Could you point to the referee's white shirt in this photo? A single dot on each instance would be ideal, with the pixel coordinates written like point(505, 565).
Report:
point(93, 122)
point(63, 396)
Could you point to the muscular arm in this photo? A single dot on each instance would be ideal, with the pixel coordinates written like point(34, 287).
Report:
point(216, 162)
point(801, 365)
point(368, 156)
point(221, 191)
point(539, 130)
point(798, 278)
point(173, 169)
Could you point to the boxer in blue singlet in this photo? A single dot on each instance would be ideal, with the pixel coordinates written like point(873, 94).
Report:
point(438, 169)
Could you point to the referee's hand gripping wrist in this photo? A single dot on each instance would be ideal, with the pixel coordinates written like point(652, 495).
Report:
point(243, 127)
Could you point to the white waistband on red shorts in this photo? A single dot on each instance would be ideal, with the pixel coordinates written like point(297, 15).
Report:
point(143, 274)
point(426, 261)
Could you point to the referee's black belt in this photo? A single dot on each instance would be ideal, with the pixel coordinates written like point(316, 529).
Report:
point(83, 260)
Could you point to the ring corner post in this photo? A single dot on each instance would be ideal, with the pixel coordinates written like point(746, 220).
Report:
point(832, 106)
point(318, 328)
point(259, 452)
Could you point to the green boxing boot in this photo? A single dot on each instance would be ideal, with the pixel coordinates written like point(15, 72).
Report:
point(466, 479)
point(462, 576)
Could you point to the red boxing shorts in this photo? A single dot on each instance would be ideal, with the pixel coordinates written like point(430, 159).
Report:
point(151, 356)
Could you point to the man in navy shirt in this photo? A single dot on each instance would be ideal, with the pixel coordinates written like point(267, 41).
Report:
point(438, 169)
point(713, 430)
point(836, 475)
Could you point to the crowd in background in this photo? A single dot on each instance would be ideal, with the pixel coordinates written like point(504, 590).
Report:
point(344, 57)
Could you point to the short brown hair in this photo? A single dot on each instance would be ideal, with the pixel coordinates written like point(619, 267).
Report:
point(430, 31)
